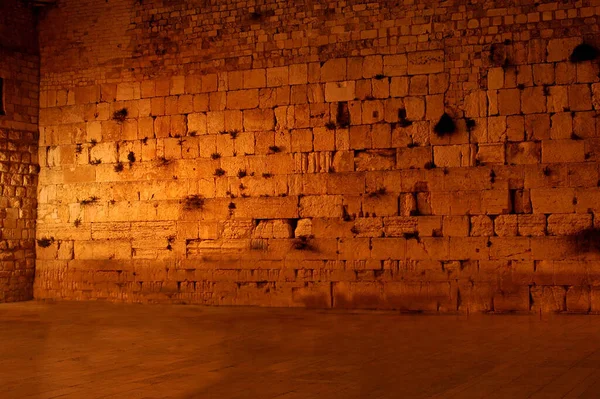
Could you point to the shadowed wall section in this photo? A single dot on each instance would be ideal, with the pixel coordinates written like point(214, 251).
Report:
point(19, 70)
point(419, 156)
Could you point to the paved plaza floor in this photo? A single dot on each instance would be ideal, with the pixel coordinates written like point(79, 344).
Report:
point(90, 350)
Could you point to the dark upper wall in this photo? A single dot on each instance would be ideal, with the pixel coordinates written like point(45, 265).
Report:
point(17, 27)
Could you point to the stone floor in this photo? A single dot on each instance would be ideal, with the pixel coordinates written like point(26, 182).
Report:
point(101, 350)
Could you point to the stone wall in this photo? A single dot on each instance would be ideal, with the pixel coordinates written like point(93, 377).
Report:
point(19, 70)
point(297, 154)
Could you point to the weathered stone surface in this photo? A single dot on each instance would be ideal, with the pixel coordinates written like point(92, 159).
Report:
point(297, 161)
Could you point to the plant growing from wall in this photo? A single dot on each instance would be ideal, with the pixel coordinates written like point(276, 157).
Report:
point(242, 173)
point(91, 200)
point(170, 240)
point(445, 126)
point(162, 161)
point(402, 121)
point(93, 142)
point(546, 171)
point(119, 167)
point(412, 235)
point(377, 193)
point(215, 155)
point(274, 149)
point(302, 244)
point(330, 125)
point(77, 222)
point(584, 52)
point(219, 172)
point(193, 202)
point(120, 115)
point(95, 161)
point(131, 157)
point(45, 242)
point(470, 123)
point(78, 148)
point(267, 175)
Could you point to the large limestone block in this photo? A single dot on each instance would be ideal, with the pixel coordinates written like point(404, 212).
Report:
point(568, 224)
point(259, 119)
point(242, 99)
point(334, 70)
point(105, 249)
point(426, 62)
point(340, 91)
point(321, 206)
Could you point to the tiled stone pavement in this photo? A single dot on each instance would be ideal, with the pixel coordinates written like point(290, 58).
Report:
point(102, 350)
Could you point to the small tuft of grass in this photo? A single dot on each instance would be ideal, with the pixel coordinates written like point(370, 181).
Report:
point(45, 242)
point(219, 172)
point(77, 222)
point(274, 149)
point(119, 167)
point(377, 193)
point(584, 52)
point(302, 244)
point(234, 133)
point(194, 201)
point(470, 124)
point(131, 157)
point(162, 161)
point(231, 206)
point(330, 125)
point(91, 200)
point(193, 133)
point(93, 142)
point(546, 171)
point(267, 175)
point(95, 161)
point(215, 155)
point(412, 235)
point(445, 125)
point(242, 173)
point(120, 115)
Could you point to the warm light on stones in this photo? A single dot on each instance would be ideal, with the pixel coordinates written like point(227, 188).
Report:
point(332, 155)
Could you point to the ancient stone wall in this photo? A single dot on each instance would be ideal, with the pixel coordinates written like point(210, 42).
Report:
point(414, 155)
point(19, 71)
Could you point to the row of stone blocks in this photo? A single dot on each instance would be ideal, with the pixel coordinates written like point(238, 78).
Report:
point(428, 297)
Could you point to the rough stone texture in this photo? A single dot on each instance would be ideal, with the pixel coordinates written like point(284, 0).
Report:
point(19, 70)
point(306, 132)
